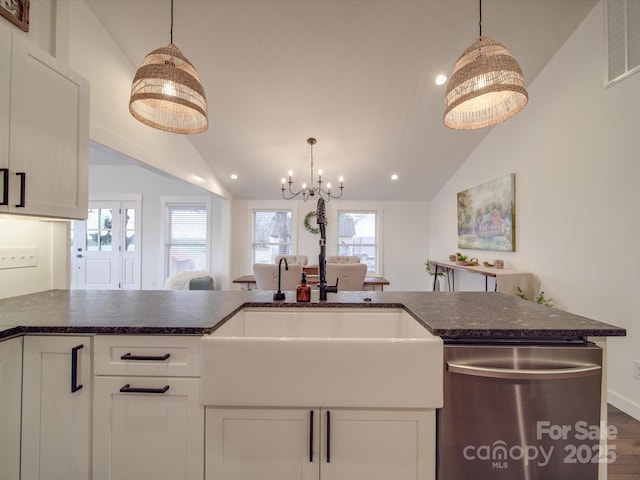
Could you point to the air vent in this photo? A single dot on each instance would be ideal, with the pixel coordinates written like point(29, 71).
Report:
point(623, 38)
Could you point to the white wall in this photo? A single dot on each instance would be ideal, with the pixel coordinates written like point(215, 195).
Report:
point(132, 179)
point(52, 241)
point(404, 231)
point(94, 55)
point(573, 150)
point(406, 245)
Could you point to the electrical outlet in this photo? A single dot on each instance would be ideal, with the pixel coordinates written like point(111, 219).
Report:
point(636, 369)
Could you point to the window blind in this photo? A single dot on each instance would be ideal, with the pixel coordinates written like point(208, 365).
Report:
point(185, 238)
point(623, 38)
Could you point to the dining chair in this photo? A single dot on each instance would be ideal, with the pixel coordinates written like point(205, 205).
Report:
point(351, 275)
point(266, 275)
point(343, 259)
point(293, 259)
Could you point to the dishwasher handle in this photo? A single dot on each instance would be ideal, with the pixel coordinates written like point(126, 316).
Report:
point(524, 374)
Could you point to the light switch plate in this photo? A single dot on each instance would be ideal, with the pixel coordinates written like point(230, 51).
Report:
point(18, 257)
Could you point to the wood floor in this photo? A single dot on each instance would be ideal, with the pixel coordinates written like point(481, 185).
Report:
point(627, 446)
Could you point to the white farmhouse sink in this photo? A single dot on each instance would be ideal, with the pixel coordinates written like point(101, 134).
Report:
point(310, 357)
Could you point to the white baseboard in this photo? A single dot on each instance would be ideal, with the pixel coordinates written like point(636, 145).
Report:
point(624, 404)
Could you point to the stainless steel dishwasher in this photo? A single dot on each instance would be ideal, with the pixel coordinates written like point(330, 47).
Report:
point(519, 411)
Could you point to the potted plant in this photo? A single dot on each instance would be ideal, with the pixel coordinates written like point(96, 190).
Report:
point(541, 299)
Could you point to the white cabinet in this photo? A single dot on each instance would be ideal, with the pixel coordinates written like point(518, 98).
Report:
point(261, 444)
point(10, 407)
point(334, 444)
point(379, 445)
point(56, 408)
point(5, 105)
point(147, 428)
point(148, 421)
point(44, 133)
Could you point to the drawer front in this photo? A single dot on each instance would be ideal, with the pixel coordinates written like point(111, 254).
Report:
point(173, 356)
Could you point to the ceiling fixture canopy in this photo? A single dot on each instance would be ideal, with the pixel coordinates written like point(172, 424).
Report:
point(310, 191)
point(486, 86)
point(166, 92)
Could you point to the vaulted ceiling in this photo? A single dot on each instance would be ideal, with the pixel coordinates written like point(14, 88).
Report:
point(356, 74)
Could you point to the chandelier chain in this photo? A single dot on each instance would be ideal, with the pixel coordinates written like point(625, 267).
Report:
point(171, 31)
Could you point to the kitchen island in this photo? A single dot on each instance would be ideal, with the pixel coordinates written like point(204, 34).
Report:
point(129, 371)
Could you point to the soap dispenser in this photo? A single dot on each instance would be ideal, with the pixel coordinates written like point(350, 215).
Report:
point(303, 292)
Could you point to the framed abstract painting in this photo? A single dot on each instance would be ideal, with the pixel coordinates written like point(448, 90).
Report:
point(486, 216)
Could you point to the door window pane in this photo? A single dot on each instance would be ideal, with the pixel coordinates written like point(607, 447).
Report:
point(99, 229)
point(130, 229)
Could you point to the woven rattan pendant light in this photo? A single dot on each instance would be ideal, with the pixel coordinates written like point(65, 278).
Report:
point(166, 92)
point(486, 86)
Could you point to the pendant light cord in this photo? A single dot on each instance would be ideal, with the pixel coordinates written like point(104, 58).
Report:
point(479, 23)
point(172, 22)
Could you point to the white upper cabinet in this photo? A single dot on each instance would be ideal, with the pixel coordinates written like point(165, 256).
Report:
point(45, 117)
point(5, 103)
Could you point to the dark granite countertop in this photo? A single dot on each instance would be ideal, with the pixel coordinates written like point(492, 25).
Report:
point(456, 315)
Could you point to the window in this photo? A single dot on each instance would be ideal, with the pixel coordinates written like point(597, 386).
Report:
point(358, 235)
point(271, 234)
point(186, 229)
point(623, 38)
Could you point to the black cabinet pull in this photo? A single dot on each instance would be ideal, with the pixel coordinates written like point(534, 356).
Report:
point(328, 436)
point(74, 369)
point(311, 436)
point(5, 186)
point(129, 389)
point(23, 188)
point(146, 358)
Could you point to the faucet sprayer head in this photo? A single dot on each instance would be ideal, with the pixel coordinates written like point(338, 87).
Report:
point(320, 213)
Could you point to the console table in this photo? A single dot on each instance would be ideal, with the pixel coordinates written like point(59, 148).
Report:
point(507, 280)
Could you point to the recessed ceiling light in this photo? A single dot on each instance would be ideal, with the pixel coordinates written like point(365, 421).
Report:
point(441, 79)
point(394, 177)
point(234, 176)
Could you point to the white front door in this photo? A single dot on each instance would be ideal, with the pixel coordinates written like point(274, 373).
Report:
point(105, 247)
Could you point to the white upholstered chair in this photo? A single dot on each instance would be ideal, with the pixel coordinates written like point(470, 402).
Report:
point(351, 275)
point(343, 259)
point(293, 259)
point(266, 275)
point(191, 281)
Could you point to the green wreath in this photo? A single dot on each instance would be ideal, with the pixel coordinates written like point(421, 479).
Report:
point(307, 223)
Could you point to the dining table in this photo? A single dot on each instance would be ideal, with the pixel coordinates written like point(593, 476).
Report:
point(371, 282)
